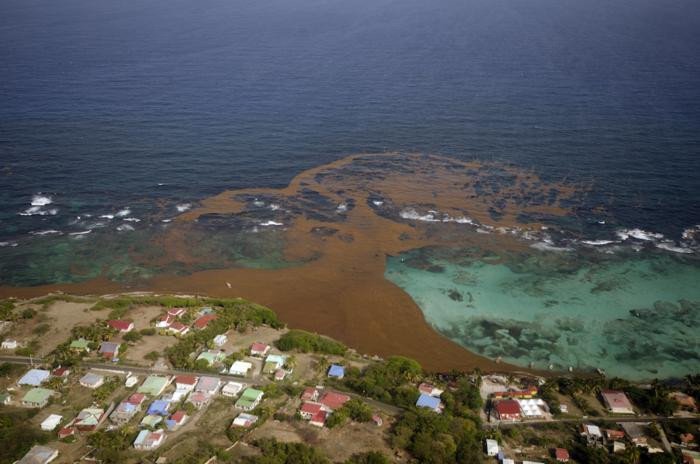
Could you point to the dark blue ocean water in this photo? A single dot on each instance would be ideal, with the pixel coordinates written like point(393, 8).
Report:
point(102, 101)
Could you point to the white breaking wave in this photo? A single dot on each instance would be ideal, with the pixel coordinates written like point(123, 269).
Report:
point(377, 202)
point(597, 242)
point(37, 211)
point(638, 234)
point(691, 233)
point(167, 220)
point(8, 244)
point(412, 214)
point(181, 208)
point(131, 219)
point(123, 212)
point(342, 208)
point(670, 246)
point(41, 200)
point(274, 206)
point(259, 203)
point(81, 233)
point(46, 232)
point(542, 246)
point(125, 228)
point(107, 216)
point(271, 223)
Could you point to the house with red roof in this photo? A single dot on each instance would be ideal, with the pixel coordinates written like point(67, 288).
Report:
point(259, 349)
point(309, 394)
point(122, 325)
point(333, 400)
point(176, 420)
point(527, 393)
point(507, 410)
point(309, 409)
point(164, 321)
point(61, 373)
point(203, 321)
point(186, 382)
point(176, 312)
point(66, 432)
point(136, 399)
point(178, 328)
point(561, 455)
point(319, 419)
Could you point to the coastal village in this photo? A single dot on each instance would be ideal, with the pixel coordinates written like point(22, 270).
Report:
point(180, 379)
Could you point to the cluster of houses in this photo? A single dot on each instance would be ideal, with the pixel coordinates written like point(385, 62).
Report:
point(171, 322)
point(518, 404)
point(317, 405)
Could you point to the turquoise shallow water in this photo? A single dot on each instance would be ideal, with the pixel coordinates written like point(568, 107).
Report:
point(634, 315)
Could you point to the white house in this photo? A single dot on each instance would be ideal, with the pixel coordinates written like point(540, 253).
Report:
point(220, 340)
point(147, 440)
point(51, 422)
point(91, 380)
point(232, 389)
point(9, 344)
point(492, 447)
point(240, 368)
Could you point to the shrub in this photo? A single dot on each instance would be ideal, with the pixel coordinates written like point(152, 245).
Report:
point(306, 342)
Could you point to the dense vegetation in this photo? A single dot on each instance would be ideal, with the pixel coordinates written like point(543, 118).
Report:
point(274, 452)
point(17, 434)
point(391, 381)
point(306, 342)
point(110, 447)
point(438, 438)
point(7, 308)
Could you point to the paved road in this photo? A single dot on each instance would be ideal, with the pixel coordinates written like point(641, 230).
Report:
point(646, 418)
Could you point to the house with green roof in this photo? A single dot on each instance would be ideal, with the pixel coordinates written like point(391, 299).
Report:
point(151, 421)
point(250, 399)
point(154, 385)
point(273, 362)
point(37, 397)
point(80, 345)
point(212, 357)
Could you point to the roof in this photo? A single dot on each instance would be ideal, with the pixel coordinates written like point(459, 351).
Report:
point(616, 399)
point(336, 371)
point(308, 393)
point(159, 407)
point(204, 321)
point(259, 347)
point(136, 398)
point(240, 366)
point(109, 347)
point(591, 429)
point(207, 383)
point(211, 357)
point(186, 379)
point(34, 377)
point(60, 371)
point(147, 438)
point(151, 420)
point(39, 455)
point(80, 344)
point(37, 395)
point(561, 453)
point(179, 416)
point(90, 416)
point(427, 401)
point(153, 385)
point(51, 422)
point(251, 394)
point(91, 378)
point(178, 327)
point(334, 400)
point(510, 407)
point(310, 408)
point(319, 418)
point(244, 420)
point(121, 324)
point(276, 358)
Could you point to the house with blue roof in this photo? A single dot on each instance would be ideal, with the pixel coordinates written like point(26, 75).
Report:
point(336, 371)
point(159, 408)
point(34, 377)
point(429, 402)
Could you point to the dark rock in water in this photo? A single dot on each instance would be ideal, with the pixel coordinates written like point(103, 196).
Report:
point(635, 313)
point(435, 268)
point(454, 295)
point(665, 306)
point(550, 303)
point(323, 231)
point(347, 238)
point(471, 298)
